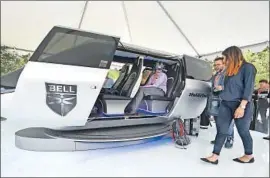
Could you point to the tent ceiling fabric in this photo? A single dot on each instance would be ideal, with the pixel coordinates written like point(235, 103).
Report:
point(210, 26)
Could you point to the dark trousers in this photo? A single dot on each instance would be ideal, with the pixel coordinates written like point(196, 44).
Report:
point(137, 99)
point(262, 107)
point(205, 118)
point(230, 131)
point(226, 114)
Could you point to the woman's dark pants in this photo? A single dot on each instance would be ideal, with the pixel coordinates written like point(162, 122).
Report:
point(226, 114)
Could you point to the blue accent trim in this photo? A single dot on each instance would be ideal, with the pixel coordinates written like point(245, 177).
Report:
point(143, 111)
point(111, 115)
point(134, 145)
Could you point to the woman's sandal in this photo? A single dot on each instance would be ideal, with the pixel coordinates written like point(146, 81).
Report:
point(252, 160)
point(208, 161)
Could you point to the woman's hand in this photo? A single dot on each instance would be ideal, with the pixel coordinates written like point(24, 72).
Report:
point(239, 112)
point(219, 87)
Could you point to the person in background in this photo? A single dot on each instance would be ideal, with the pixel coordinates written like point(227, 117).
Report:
point(108, 82)
point(263, 104)
point(156, 85)
point(263, 87)
point(235, 104)
point(218, 86)
point(111, 77)
point(114, 74)
point(268, 96)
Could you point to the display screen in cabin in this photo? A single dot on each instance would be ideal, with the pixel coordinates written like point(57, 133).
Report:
point(71, 47)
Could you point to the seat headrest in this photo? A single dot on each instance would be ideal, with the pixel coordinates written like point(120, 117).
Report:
point(124, 68)
point(147, 68)
point(138, 60)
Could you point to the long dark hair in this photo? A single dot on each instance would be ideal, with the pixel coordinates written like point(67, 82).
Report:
point(234, 60)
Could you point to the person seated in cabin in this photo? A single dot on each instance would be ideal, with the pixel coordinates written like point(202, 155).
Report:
point(261, 95)
point(145, 76)
point(156, 85)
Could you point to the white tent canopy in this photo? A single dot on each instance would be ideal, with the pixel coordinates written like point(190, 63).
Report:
point(209, 26)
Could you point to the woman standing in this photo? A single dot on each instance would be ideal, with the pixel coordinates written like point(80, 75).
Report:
point(235, 104)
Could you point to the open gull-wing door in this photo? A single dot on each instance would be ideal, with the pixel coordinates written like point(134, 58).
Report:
point(63, 78)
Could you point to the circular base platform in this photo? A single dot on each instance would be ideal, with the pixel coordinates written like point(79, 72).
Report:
point(43, 139)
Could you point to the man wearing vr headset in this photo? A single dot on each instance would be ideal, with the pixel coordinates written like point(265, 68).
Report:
point(156, 85)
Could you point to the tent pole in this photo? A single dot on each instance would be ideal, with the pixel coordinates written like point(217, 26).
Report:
point(81, 20)
point(83, 13)
point(178, 28)
point(126, 18)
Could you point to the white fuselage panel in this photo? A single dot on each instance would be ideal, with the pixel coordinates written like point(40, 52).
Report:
point(58, 102)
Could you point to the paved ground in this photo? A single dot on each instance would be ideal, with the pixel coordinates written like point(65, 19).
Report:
point(156, 159)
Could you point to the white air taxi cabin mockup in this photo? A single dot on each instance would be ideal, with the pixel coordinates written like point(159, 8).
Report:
point(61, 88)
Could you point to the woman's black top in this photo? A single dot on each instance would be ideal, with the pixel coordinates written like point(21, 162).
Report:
point(240, 86)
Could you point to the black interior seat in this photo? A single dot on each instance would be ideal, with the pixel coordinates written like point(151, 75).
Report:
point(156, 97)
point(114, 97)
point(132, 77)
point(121, 79)
point(125, 92)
